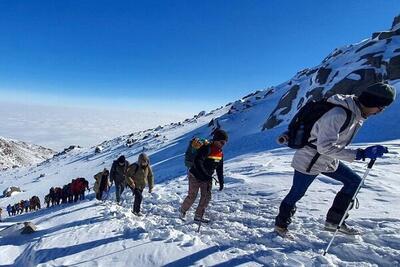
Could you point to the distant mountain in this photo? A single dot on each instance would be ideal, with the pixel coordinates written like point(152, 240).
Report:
point(17, 154)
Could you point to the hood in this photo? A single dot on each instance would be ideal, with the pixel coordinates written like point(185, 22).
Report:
point(347, 101)
point(143, 158)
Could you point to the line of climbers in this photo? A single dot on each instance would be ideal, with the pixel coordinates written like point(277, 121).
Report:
point(69, 193)
point(31, 204)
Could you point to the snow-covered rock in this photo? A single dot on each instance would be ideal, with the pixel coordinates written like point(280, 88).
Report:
point(16, 153)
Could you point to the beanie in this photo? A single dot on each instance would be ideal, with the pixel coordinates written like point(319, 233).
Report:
point(220, 135)
point(121, 159)
point(377, 95)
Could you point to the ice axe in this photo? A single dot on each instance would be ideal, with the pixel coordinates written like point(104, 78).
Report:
point(370, 164)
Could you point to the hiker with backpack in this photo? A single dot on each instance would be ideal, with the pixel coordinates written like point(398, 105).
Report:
point(321, 132)
point(139, 175)
point(207, 159)
point(102, 183)
point(118, 175)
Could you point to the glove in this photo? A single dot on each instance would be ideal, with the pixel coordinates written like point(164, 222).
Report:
point(371, 152)
point(221, 186)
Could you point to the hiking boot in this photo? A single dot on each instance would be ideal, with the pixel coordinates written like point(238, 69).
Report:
point(283, 232)
point(201, 220)
point(345, 229)
point(182, 214)
point(139, 214)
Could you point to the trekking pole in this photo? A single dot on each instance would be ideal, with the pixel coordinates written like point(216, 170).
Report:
point(370, 164)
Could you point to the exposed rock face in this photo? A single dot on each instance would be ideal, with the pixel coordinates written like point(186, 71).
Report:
point(394, 68)
point(285, 105)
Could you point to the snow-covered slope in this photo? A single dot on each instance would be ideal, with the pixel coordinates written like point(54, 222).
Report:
point(16, 153)
point(258, 175)
point(347, 70)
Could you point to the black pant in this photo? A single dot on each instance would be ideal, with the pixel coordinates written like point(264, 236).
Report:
point(138, 199)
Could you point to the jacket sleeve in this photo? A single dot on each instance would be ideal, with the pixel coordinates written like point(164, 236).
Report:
point(328, 127)
point(199, 161)
point(150, 178)
point(130, 174)
point(112, 172)
point(220, 172)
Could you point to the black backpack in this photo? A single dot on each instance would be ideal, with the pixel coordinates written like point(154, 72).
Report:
point(300, 126)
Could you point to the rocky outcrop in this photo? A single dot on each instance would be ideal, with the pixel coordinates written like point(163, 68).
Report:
point(347, 70)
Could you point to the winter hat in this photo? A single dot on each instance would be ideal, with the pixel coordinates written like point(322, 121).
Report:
point(377, 95)
point(220, 135)
point(121, 159)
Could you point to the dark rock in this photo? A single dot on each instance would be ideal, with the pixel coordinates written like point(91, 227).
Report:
point(396, 21)
point(323, 74)
point(8, 192)
point(385, 35)
point(366, 45)
point(349, 86)
point(315, 94)
point(285, 105)
point(394, 68)
point(334, 76)
point(373, 59)
point(29, 228)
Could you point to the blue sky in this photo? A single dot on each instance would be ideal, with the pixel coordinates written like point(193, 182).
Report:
point(180, 56)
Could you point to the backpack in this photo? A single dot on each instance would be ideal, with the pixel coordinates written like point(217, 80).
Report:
point(194, 145)
point(300, 126)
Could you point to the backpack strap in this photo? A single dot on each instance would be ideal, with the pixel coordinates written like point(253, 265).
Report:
point(344, 126)
point(348, 118)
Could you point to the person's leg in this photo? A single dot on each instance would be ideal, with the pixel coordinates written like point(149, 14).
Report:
point(194, 186)
point(118, 192)
point(138, 200)
point(205, 197)
point(301, 182)
point(351, 181)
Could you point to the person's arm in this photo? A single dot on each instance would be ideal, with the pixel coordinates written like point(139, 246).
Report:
point(112, 172)
point(220, 174)
point(201, 156)
point(328, 134)
point(150, 179)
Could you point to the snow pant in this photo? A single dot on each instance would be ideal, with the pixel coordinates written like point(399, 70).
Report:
point(138, 199)
point(302, 181)
point(205, 195)
point(9, 213)
point(119, 188)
